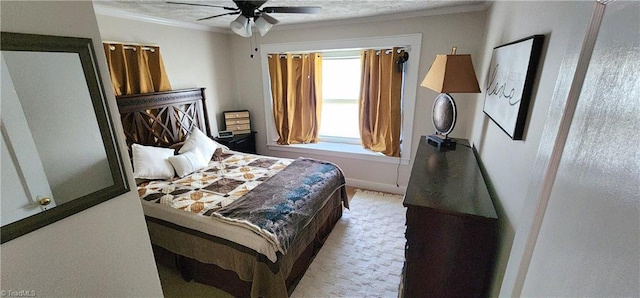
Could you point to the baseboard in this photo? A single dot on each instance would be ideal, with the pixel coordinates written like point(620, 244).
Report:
point(390, 188)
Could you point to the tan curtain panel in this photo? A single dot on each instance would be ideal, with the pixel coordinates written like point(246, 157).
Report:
point(136, 69)
point(380, 101)
point(296, 89)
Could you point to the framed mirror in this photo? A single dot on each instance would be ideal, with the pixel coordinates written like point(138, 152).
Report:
point(59, 151)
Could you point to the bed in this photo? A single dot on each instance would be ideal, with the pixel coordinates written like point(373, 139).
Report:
point(247, 224)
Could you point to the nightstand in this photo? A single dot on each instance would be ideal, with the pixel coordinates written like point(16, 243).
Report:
point(243, 142)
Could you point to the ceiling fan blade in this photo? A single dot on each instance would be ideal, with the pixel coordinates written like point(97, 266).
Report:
point(208, 5)
point(219, 15)
point(292, 9)
point(271, 20)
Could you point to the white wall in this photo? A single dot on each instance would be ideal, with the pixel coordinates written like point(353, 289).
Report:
point(509, 163)
point(104, 250)
point(439, 34)
point(192, 58)
point(589, 233)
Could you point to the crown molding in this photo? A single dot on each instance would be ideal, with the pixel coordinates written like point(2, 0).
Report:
point(118, 13)
point(480, 6)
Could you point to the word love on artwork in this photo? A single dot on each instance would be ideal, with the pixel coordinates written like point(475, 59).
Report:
point(510, 82)
point(497, 87)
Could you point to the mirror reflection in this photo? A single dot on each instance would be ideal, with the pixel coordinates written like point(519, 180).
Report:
point(58, 151)
point(46, 95)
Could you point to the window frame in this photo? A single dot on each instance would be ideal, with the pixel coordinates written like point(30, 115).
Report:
point(412, 42)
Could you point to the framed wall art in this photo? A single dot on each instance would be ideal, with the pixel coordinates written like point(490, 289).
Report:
point(509, 83)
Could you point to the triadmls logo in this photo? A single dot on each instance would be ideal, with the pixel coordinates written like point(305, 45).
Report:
point(18, 293)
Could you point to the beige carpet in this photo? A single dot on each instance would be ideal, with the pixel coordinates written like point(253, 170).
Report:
point(364, 254)
point(362, 257)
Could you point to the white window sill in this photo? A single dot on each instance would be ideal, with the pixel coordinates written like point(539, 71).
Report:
point(339, 150)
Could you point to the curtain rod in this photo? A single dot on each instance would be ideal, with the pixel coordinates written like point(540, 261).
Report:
point(387, 52)
point(131, 45)
point(284, 55)
point(128, 47)
point(406, 49)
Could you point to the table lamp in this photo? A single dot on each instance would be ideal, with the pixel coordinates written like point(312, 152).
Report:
point(448, 74)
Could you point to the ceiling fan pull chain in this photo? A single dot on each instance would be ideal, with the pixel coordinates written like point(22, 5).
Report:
point(253, 44)
point(251, 41)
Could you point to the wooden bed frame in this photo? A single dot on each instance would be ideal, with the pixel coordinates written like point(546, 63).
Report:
point(166, 118)
point(163, 118)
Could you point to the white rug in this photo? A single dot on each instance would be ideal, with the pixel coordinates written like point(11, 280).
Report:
point(364, 254)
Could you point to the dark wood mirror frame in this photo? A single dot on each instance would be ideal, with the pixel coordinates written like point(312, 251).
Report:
point(84, 48)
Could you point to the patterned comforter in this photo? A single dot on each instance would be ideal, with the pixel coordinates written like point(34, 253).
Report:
point(286, 203)
point(215, 186)
point(278, 207)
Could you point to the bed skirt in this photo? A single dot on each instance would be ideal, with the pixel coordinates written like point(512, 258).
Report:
point(235, 269)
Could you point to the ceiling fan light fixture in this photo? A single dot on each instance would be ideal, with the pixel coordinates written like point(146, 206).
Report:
point(252, 9)
point(241, 26)
point(264, 23)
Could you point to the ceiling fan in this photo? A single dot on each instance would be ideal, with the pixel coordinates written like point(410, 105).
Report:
point(248, 10)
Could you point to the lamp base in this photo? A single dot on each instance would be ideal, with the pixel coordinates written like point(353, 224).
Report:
point(441, 143)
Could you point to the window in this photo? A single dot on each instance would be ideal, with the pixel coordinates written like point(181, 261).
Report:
point(340, 92)
point(353, 151)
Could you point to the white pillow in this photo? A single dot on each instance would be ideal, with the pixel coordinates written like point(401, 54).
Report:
point(188, 162)
point(151, 162)
point(197, 139)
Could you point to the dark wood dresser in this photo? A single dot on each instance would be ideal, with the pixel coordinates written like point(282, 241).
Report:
point(451, 225)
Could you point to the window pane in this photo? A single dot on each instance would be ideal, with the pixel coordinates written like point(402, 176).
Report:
point(340, 119)
point(340, 92)
point(341, 78)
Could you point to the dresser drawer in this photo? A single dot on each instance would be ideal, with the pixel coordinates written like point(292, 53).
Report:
point(239, 127)
point(235, 115)
point(230, 122)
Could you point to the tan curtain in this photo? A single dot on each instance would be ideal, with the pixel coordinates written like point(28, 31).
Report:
point(296, 89)
point(380, 101)
point(136, 69)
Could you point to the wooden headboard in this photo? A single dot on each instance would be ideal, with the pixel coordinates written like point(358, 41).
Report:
point(162, 118)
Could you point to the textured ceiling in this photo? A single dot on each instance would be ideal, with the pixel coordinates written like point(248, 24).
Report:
point(332, 10)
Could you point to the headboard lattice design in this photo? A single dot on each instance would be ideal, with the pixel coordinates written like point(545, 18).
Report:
point(162, 118)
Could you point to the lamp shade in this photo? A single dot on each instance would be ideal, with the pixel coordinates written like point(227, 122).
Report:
point(452, 74)
point(264, 23)
point(241, 26)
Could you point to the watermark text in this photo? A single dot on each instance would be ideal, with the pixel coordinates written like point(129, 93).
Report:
point(18, 293)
